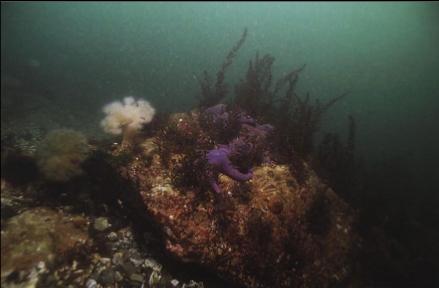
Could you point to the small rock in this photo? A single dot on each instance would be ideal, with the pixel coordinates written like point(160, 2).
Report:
point(117, 258)
point(136, 262)
point(105, 260)
point(136, 277)
point(129, 268)
point(74, 265)
point(41, 266)
point(107, 277)
point(117, 276)
point(193, 284)
point(151, 263)
point(91, 283)
point(101, 224)
point(174, 282)
point(112, 236)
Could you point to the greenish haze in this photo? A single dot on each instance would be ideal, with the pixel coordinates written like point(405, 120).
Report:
point(386, 54)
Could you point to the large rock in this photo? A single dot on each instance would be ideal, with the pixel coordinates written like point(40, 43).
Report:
point(271, 231)
point(37, 238)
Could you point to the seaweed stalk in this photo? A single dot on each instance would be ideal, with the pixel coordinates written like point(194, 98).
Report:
point(210, 96)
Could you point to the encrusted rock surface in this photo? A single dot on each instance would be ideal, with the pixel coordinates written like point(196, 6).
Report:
point(33, 240)
point(271, 231)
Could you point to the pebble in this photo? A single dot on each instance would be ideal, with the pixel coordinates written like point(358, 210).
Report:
point(41, 266)
point(128, 267)
point(117, 276)
point(174, 282)
point(117, 258)
point(107, 277)
point(91, 283)
point(136, 262)
point(151, 263)
point(193, 284)
point(136, 277)
point(112, 236)
point(105, 260)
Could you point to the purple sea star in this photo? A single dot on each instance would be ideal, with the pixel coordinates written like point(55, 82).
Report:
point(219, 159)
point(251, 137)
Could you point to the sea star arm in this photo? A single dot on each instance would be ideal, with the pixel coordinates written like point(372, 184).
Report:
point(231, 171)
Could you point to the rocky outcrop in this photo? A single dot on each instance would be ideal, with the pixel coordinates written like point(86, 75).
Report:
point(271, 231)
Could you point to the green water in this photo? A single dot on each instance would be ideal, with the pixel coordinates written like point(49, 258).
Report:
point(385, 54)
point(77, 57)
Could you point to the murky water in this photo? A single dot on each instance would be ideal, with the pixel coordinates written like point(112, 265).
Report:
point(63, 62)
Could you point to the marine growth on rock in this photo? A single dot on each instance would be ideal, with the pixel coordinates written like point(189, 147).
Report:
point(275, 228)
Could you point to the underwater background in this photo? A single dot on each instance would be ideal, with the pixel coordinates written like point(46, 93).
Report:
point(62, 62)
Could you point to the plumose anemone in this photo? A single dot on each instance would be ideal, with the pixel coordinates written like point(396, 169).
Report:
point(127, 118)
